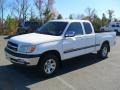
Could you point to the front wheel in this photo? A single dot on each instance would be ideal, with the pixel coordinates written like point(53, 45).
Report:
point(48, 65)
point(103, 53)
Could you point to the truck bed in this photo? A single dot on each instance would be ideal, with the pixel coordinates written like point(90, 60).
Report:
point(105, 36)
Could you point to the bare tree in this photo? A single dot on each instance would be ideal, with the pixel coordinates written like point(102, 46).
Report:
point(21, 8)
point(32, 14)
point(90, 13)
point(110, 13)
point(40, 7)
point(45, 9)
point(80, 16)
point(25, 6)
point(17, 8)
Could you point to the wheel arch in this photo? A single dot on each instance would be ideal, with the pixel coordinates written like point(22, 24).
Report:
point(55, 52)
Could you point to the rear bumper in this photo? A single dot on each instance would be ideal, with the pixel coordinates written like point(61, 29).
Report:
point(22, 59)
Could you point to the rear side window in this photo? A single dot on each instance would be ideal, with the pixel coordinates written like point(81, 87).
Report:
point(113, 25)
point(76, 27)
point(87, 27)
point(117, 26)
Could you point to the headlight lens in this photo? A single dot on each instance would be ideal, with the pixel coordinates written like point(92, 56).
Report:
point(27, 48)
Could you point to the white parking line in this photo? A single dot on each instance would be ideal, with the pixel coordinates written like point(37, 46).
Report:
point(67, 84)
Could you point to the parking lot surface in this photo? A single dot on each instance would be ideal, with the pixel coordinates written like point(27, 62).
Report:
point(82, 73)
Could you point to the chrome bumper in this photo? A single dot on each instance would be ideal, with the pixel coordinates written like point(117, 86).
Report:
point(22, 61)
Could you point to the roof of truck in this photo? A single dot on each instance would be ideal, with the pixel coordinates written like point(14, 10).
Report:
point(69, 20)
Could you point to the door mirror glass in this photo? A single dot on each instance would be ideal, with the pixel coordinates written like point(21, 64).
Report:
point(70, 34)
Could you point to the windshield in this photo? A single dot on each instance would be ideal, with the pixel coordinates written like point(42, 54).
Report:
point(53, 28)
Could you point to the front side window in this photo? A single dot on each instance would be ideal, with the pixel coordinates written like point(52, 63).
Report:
point(53, 28)
point(87, 27)
point(76, 27)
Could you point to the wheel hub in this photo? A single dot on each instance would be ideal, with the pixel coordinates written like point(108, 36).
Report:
point(50, 66)
point(104, 51)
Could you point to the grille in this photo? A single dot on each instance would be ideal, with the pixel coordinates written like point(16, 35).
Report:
point(12, 46)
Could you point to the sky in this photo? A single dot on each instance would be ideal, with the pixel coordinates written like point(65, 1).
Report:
point(67, 7)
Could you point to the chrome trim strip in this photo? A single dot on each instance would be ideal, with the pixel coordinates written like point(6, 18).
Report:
point(77, 49)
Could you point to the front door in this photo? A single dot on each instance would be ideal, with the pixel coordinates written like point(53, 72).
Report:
point(72, 45)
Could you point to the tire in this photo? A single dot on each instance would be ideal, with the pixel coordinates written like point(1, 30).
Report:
point(48, 65)
point(117, 33)
point(103, 53)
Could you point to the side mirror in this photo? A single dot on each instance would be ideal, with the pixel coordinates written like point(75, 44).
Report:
point(70, 34)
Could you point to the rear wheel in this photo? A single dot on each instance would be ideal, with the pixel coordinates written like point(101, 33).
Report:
point(48, 65)
point(117, 33)
point(103, 53)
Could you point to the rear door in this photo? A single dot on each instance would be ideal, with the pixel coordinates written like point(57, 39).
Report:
point(89, 38)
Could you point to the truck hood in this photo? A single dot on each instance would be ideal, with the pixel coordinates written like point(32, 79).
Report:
point(34, 38)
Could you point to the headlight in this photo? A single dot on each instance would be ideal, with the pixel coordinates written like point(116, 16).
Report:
point(27, 48)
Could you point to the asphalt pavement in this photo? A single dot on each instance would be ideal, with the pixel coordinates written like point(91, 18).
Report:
point(82, 73)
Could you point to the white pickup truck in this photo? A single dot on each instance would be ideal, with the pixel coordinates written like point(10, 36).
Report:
point(58, 40)
point(113, 26)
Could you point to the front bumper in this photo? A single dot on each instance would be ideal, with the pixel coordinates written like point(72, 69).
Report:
point(22, 59)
